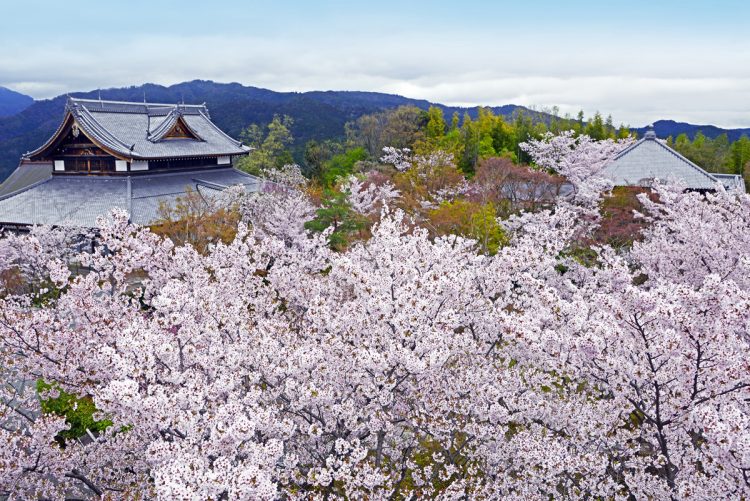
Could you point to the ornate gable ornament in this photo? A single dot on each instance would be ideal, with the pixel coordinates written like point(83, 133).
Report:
point(174, 127)
point(180, 130)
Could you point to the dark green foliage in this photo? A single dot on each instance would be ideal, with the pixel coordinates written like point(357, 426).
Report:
point(739, 156)
point(77, 411)
point(583, 255)
point(599, 128)
point(341, 165)
point(436, 122)
point(336, 213)
point(44, 294)
point(317, 153)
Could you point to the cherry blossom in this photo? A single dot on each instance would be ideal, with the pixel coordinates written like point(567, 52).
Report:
point(367, 197)
point(405, 367)
point(579, 158)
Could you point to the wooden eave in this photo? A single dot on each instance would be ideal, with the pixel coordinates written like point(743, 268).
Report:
point(60, 134)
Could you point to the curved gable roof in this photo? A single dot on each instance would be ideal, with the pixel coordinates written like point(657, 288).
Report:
point(164, 127)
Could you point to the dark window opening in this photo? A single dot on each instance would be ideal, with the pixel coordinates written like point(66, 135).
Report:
point(180, 163)
point(89, 165)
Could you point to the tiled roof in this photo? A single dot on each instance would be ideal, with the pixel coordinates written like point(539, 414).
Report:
point(149, 191)
point(731, 181)
point(22, 178)
point(650, 159)
point(78, 200)
point(136, 130)
point(65, 201)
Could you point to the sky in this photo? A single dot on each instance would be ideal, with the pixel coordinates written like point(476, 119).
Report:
point(639, 61)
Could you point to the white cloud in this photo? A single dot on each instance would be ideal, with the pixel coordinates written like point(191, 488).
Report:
point(636, 83)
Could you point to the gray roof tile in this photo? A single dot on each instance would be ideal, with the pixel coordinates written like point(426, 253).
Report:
point(650, 159)
point(24, 176)
point(78, 200)
point(65, 201)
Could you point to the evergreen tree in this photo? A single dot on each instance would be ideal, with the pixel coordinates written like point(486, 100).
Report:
point(740, 155)
point(271, 150)
point(336, 213)
point(454, 121)
point(435, 123)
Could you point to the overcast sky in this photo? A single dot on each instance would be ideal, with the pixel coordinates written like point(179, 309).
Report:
point(640, 61)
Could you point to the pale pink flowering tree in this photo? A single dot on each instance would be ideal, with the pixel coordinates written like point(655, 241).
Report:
point(579, 158)
point(667, 361)
point(236, 374)
point(400, 158)
point(693, 235)
point(29, 253)
point(154, 372)
point(405, 366)
point(366, 196)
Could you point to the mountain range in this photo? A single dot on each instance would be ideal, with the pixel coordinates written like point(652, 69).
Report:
point(666, 128)
point(317, 115)
point(12, 102)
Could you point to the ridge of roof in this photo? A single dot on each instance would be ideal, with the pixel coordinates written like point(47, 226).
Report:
point(135, 103)
point(669, 150)
point(49, 140)
point(146, 174)
point(135, 108)
point(209, 184)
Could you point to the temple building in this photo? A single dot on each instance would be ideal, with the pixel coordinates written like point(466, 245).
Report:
point(650, 159)
point(134, 156)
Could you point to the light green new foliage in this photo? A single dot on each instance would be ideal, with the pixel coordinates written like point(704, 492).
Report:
point(740, 155)
point(270, 148)
point(77, 411)
point(435, 122)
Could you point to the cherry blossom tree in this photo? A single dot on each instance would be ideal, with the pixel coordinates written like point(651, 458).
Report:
point(366, 196)
point(400, 158)
point(692, 235)
point(406, 367)
point(24, 257)
point(579, 159)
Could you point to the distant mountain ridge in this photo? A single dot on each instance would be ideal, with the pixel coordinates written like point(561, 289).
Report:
point(666, 128)
point(317, 115)
point(12, 102)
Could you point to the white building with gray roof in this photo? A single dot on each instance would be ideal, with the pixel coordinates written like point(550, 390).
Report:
point(650, 159)
point(134, 156)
